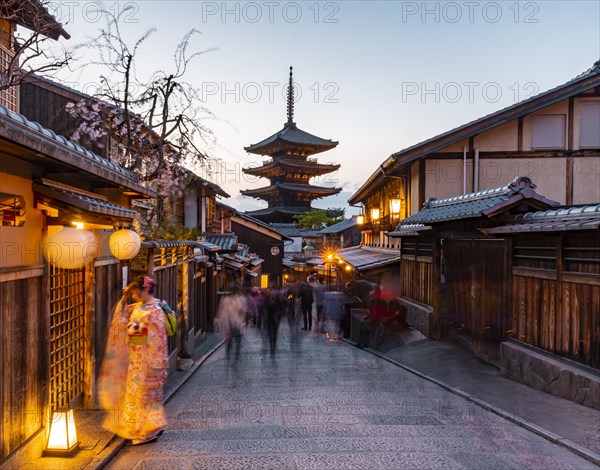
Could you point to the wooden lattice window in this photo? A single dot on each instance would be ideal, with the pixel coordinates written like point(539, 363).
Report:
point(9, 97)
point(66, 335)
point(535, 251)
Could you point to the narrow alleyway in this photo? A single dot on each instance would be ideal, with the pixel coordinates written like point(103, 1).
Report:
point(329, 405)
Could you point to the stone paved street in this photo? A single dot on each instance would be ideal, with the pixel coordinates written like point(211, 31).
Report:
point(322, 405)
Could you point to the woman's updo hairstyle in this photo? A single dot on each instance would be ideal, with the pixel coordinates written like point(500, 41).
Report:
point(144, 283)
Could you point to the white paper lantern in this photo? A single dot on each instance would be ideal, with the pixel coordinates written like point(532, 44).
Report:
point(124, 244)
point(70, 248)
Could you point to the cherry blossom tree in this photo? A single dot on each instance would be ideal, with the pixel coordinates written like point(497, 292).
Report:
point(156, 124)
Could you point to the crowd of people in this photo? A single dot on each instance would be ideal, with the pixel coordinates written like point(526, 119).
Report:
point(135, 363)
point(264, 309)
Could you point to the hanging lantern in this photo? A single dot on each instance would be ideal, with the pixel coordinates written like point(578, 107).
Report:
point(360, 219)
point(124, 244)
point(62, 438)
point(375, 214)
point(395, 205)
point(70, 248)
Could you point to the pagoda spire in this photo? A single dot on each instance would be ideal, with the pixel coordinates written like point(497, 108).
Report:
point(290, 99)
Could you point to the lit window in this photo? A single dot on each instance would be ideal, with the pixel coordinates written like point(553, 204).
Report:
point(264, 281)
point(12, 210)
point(548, 132)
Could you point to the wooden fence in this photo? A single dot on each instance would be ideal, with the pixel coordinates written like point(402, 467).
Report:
point(556, 295)
point(416, 270)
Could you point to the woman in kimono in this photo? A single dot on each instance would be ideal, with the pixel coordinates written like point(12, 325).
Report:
point(134, 370)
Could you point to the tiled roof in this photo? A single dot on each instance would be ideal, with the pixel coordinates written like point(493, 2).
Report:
point(249, 217)
point(340, 226)
point(319, 191)
point(474, 204)
point(290, 134)
point(289, 230)
point(209, 246)
point(362, 258)
point(280, 210)
point(204, 182)
point(408, 230)
point(310, 232)
point(226, 242)
point(311, 168)
point(67, 151)
point(84, 202)
point(554, 220)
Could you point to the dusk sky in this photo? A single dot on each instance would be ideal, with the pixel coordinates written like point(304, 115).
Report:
point(375, 76)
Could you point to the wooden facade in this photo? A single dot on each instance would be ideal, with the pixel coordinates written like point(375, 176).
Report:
point(492, 151)
point(44, 102)
point(263, 244)
point(555, 292)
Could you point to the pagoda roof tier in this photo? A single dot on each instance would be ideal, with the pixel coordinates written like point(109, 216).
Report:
point(277, 167)
point(317, 191)
point(291, 139)
point(279, 213)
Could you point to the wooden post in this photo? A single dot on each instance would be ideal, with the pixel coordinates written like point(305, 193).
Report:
point(436, 289)
point(89, 337)
point(186, 290)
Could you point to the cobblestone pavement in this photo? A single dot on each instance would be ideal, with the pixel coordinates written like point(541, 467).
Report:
point(328, 405)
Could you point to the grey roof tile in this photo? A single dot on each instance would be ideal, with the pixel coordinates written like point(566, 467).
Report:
point(340, 226)
point(469, 205)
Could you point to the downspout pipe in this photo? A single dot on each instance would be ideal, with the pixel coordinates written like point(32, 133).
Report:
point(465, 169)
point(476, 171)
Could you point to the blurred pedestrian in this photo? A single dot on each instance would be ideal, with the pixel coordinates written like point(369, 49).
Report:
point(319, 292)
point(135, 365)
point(305, 294)
point(231, 318)
point(274, 308)
point(333, 311)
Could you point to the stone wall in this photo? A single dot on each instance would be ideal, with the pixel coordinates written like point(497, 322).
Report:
point(418, 315)
point(550, 374)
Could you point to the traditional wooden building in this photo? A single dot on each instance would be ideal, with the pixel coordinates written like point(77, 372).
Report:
point(44, 101)
point(264, 240)
point(344, 234)
point(54, 319)
point(198, 207)
point(31, 15)
point(289, 170)
point(514, 278)
point(553, 137)
point(553, 301)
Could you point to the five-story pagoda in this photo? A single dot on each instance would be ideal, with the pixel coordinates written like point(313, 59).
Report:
point(289, 169)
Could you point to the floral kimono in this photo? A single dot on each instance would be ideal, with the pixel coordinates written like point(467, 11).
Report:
point(130, 386)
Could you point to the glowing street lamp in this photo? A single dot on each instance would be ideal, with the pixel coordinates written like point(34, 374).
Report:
point(330, 257)
point(62, 439)
point(309, 250)
point(375, 213)
point(360, 219)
